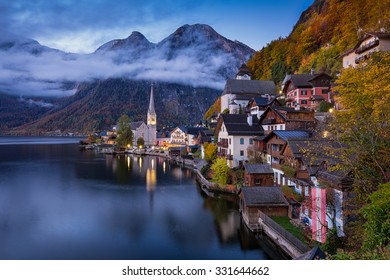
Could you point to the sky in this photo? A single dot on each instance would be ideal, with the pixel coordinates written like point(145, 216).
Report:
point(81, 26)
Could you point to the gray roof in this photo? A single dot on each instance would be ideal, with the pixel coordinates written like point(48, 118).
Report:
point(135, 125)
point(303, 80)
point(258, 168)
point(291, 134)
point(259, 196)
point(237, 124)
point(258, 87)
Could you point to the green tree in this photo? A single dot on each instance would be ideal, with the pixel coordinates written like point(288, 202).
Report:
point(278, 71)
point(220, 171)
point(140, 142)
point(324, 106)
point(125, 135)
point(377, 215)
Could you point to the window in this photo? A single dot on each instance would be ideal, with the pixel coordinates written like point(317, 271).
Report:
point(250, 141)
point(258, 181)
point(303, 92)
point(230, 141)
point(241, 153)
point(242, 141)
point(303, 101)
point(324, 91)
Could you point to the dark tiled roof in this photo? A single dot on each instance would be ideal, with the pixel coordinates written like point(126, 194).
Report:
point(259, 87)
point(258, 196)
point(264, 101)
point(237, 124)
point(303, 80)
point(194, 130)
point(291, 134)
point(244, 70)
point(258, 168)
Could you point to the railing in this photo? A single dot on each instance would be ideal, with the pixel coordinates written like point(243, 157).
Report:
point(223, 144)
point(284, 233)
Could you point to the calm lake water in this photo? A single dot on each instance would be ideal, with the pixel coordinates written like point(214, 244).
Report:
point(57, 202)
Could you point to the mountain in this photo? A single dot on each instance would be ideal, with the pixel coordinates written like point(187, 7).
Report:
point(14, 43)
point(98, 105)
point(189, 69)
point(323, 32)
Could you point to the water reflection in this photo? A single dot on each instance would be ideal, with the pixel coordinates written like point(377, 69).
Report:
point(59, 203)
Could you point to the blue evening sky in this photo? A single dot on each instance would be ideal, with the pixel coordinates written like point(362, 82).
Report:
point(83, 25)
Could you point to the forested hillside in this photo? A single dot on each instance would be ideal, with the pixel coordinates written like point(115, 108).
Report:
point(324, 31)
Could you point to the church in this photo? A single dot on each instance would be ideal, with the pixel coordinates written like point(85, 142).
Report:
point(146, 131)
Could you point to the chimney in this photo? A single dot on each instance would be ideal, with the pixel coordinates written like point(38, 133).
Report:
point(249, 119)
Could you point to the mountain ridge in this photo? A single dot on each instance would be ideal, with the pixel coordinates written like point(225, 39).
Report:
point(190, 66)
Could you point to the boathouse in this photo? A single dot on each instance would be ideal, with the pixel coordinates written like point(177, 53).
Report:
point(269, 200)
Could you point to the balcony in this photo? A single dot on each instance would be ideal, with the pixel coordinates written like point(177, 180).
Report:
point(223, 144)
point(229, 157)
point(360, 59)
point(269, 121)
point(364, 48)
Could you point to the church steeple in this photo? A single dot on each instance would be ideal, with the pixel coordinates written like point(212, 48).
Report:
point(151, 120)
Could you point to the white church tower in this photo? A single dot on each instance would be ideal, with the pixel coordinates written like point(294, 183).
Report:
point(151, 122)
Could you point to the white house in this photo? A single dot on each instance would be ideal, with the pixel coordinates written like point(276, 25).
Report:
point(239, 91)
point(178, 136)
point(235, 135)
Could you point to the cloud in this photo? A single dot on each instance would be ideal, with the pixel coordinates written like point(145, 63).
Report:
point(44, 74)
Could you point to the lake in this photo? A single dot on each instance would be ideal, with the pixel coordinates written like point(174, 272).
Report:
point(57, 202)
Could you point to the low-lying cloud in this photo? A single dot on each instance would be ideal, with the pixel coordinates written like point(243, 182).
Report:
point(24, 73)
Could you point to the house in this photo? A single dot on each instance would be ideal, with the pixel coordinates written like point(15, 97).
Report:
point(307, 168)
point(242, 89)
point(300, 89)
point(274, 143)
point(371, 42)
point(269, 200)
point(162, 138)
point(257, 105)
point(285, 118)
point(234, 134)
point(258, 175)
point(178, 136)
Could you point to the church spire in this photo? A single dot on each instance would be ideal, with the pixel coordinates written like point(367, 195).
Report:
point(151, 112)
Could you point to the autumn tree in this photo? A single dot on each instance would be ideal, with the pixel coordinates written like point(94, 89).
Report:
point(364, 126)
point(220, 171)
point(210, 151)
point(363, 133)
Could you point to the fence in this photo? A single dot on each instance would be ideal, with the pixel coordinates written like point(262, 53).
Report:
point(284, 233)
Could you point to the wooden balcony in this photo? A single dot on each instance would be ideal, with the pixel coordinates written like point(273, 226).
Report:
point(223, 144)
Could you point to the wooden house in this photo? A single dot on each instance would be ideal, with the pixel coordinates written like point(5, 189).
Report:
point(285, 118)
point(258, 175)
point(269, 200)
